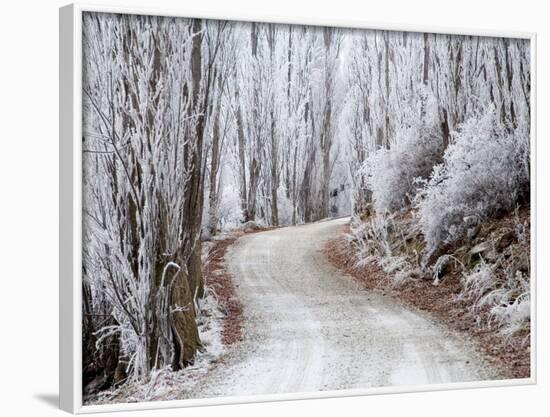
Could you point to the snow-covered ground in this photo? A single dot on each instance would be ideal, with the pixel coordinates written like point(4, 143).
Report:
point(308, 327)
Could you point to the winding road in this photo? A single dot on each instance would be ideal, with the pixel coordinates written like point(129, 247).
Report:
point(309, 327)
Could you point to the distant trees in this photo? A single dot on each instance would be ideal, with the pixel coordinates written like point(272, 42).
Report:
point(279, 96)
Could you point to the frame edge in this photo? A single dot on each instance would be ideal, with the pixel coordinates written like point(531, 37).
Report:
point(67, 400)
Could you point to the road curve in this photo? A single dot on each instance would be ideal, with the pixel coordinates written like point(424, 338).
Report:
point(308, 327)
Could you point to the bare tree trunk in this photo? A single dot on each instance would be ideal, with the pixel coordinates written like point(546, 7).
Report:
point(254, 168)
point(310, 154)
point(188, 282)
point(387, 79)
point(214, 169)
point(288, 180)
point(274, 141)
point(274, 174)
point(193, 201)
point(380, 132)
point(426, 73)
point(254, 174)
point(326, 132)
point(294, 191)
point(243, 191)
point(426, 60)
point(184, 327)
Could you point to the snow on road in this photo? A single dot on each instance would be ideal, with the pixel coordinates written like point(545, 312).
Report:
point(308, 327)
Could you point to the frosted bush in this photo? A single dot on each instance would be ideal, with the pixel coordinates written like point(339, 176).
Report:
point(392, 173)
point(372, 238)
point(479, 284)
point(373, 242)
point(485, 171)
point(515, 316)
point(508, 298)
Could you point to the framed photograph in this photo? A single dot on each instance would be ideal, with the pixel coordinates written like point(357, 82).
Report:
point(258, 210)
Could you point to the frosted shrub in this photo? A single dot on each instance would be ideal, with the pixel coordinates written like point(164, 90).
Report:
point(372, 238)
point(392, 173)
point(485, 171)
point(479, 284)
point(374, 244)
point(513, 316)
point(506, 295)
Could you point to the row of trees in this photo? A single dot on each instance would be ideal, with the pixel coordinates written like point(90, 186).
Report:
point(412, 91)
point(190, 126)
point(279, 109)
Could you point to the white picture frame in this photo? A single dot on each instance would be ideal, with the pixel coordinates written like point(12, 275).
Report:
point(70, 203)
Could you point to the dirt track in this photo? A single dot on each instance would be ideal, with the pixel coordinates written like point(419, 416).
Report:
point(308, 327)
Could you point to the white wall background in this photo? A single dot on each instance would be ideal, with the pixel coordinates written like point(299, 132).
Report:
point(29, 208)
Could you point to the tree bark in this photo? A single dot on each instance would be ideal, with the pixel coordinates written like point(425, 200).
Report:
point(326, 132)
point(243, 191)
point(184, 327)
point(193, 200)
point(214, 168)
point(188, 282)
point(274, 141)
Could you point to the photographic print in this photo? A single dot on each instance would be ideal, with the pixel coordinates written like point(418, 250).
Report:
point(292, 209)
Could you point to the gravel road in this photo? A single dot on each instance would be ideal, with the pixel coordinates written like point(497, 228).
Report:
point(308, 327)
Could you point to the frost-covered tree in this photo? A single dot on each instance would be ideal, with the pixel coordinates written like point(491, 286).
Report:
point(137, 170)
